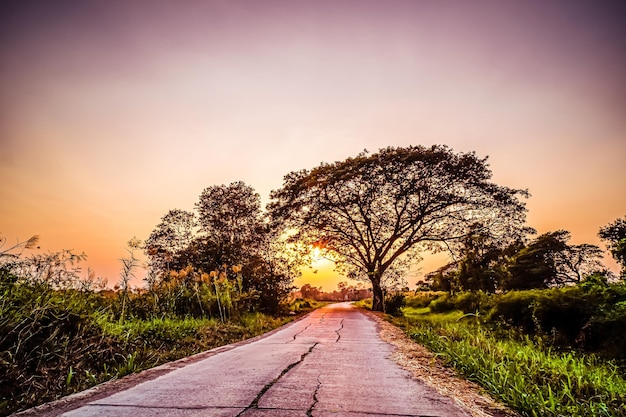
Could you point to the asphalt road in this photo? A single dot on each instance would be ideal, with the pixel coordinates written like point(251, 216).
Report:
point(331, 363)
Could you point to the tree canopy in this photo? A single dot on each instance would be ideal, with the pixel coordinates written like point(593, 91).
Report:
point(372, 210)
point(614, 234)
point(226, 231)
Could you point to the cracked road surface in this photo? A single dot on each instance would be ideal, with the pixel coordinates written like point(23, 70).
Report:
point(330, 363)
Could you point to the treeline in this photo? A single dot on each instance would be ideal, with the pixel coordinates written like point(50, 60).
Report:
point(344, 292)
point(547, 261)
point(226, 249)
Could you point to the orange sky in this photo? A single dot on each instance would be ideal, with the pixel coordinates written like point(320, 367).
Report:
point(112, 113)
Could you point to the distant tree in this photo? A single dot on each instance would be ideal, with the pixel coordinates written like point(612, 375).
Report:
point(443, 278)
point(614, 234)
point(230, 220)
point(270, 270)
point(170, 238)
point(550, 261)
point(534, 265)
point(576, 262)
point(309, 291)
point(483, 262)
point(375, 209)
point(233, 231)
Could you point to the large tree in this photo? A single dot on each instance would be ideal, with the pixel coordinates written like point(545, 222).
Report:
point(372, 210)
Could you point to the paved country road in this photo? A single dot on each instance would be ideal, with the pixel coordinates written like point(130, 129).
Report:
point(330, 363)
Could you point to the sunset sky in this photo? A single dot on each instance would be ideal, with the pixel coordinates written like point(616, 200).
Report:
point(114, 112)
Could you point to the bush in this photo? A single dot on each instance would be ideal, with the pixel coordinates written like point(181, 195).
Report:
point(471, 302)
point(394, 304)
point(604, 334)
point(442, 304)
point(50, 345)
point(588, 317)
point(422, 299)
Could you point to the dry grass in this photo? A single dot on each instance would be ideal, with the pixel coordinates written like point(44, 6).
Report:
point(424, 366)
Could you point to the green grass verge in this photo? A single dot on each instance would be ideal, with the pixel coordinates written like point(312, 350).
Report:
point(530, 378)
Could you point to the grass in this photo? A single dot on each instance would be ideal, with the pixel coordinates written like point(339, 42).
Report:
point(62, 344)
point(521, 372)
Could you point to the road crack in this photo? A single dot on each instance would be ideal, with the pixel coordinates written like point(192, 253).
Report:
point(338, 330)
point(309, 412)
point(299, 333)
point(255, 402)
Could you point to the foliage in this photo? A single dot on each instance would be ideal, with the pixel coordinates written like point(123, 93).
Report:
point(372, 211)
point(422, 299)
point(173, 235)
point(550, 261)
point(534, 380)
point(58, 336)
point(54, 342)
point(488, 265)
point(394, 302)
point(614, 234)
point(46, 336)
point(344, 292)
point(588, 317)
point(230, 218)
point(228, 230)
point(442, 304)
point(304, 305)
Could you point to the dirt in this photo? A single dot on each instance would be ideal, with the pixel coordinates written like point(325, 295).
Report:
point(424, 366)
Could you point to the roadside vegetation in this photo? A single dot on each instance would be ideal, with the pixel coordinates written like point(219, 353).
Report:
point(552, 352)
point(210, 278)
point(57, 342)
point(539, 324)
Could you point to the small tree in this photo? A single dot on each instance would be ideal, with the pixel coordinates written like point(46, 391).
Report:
point(614, 234)
point(371, 211)
point(230, 219)
point(170, 237)
point(550, 261)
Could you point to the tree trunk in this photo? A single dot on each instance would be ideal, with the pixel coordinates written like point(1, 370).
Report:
point(378, 300)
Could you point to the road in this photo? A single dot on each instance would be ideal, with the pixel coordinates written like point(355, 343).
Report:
point(330, 363)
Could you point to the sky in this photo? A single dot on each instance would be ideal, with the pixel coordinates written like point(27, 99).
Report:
point(114, 112)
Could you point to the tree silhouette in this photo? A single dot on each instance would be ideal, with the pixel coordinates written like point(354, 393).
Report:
point(372, 210)
point(614, 234)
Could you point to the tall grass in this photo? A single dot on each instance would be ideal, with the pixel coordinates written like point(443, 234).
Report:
point(531, 378)
point(53, 343)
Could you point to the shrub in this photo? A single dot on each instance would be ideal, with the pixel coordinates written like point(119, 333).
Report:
point(394, 304)
point(421, 299)
point(471, 302)
point(442, 304)
point(515, 309)
point(604, 334)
